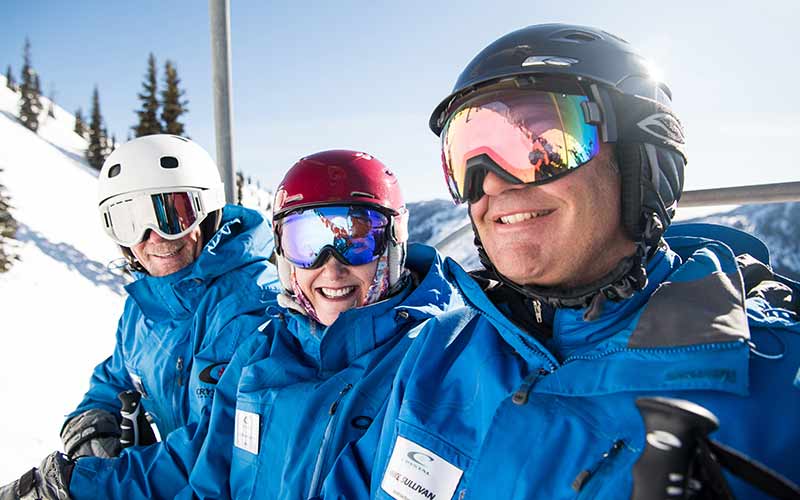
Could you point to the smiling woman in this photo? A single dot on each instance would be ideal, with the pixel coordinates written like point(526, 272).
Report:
point(341, 226)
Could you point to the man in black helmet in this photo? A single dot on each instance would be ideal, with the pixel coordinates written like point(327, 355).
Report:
point(572, 161)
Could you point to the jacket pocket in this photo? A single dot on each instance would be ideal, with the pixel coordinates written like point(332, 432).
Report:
point(249, 424)
point(420, 466)
point(609, 476)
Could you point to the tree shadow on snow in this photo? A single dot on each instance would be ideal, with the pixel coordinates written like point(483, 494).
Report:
point(96, 272)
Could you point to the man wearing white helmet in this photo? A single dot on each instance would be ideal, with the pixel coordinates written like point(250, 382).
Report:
point(317, 376)
point(201, 288)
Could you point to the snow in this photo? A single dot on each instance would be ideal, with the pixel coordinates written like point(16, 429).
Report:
point(60, 304)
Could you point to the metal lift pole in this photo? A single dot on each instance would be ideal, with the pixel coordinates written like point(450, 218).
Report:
point(219, 13)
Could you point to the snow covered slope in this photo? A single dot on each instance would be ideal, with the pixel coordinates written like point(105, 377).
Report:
point(59, 305)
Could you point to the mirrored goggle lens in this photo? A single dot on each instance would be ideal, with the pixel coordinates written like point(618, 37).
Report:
point(357, 234)
point(531, 135)
point(172, 215)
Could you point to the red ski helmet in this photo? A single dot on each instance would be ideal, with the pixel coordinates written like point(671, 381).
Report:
point(344, 177)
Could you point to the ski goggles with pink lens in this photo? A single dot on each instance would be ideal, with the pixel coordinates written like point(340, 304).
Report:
point(522, 135)
point(355, 235)
point(172, 215)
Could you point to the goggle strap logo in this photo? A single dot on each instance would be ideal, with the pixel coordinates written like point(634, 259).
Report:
point(663, 126)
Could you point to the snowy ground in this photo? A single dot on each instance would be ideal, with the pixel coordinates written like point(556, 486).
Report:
point(59, 305)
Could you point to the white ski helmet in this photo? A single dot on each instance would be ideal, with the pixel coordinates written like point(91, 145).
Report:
point(161, 164)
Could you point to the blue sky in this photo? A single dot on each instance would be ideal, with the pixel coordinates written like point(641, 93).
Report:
point(365, 75)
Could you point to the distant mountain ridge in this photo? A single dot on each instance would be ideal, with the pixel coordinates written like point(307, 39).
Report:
point(776, 224)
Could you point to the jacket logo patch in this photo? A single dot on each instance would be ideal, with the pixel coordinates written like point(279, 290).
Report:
point(246, 431)
point(212, 373)
point(416, 473)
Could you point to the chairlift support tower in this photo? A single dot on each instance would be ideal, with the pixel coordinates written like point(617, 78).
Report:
point(219, 14)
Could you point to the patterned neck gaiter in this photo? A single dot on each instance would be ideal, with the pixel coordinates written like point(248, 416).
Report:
point(377, 290)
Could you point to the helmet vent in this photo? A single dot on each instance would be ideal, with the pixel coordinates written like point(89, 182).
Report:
point(169, 162)
point(361, 193)
point(576, 36)
point(114, 170)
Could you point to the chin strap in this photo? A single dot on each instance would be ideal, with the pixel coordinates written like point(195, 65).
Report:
point(628, 277)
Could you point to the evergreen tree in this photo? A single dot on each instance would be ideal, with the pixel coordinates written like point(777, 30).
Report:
point(8, 228)
point(148, 115)
point(172, 105)
point(239, 187)
point(51, 108)
point(98, 144)
point(30, 104)
point(107, 146)
point(80, 124)
point(10, 81)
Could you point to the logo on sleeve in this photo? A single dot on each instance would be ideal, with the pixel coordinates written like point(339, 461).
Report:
point(416, 473)
point(246, 431)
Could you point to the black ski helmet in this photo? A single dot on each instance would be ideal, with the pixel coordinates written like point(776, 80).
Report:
point(630, 108)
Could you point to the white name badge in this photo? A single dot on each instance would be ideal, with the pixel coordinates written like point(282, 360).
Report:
point(246, 431)
point(415, 473)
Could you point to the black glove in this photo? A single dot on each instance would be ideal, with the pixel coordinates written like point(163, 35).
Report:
point(93, 433)
point(49, 482)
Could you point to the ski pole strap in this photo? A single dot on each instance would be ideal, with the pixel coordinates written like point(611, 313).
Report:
point(755, 473)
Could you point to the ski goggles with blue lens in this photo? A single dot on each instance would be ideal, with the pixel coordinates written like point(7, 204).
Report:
point(522, 135)
point(355, 235)
point(173, 215)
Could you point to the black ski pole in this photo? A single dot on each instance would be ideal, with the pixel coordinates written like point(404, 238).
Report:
point(136, 430)
point(674, 430)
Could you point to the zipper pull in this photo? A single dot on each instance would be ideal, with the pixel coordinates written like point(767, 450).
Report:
point(537, 310)
point(520, 397)
point(179, 368)
point(583, 476)
point(335, 404)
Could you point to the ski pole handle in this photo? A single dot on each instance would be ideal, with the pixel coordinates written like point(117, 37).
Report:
point(135, 429)
point(674, 427)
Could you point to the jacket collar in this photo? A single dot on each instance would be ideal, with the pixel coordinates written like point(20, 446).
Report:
point(646, 339)
point(362, 329)
point(243, 237)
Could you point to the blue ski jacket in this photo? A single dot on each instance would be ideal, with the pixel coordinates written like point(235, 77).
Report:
point(480, 409)
point(291, 398)
point(177, 332)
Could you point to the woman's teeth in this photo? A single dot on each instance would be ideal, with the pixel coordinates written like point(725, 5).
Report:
point(335, 293)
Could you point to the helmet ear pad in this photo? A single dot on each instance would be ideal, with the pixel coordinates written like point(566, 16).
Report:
point(652, 182)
